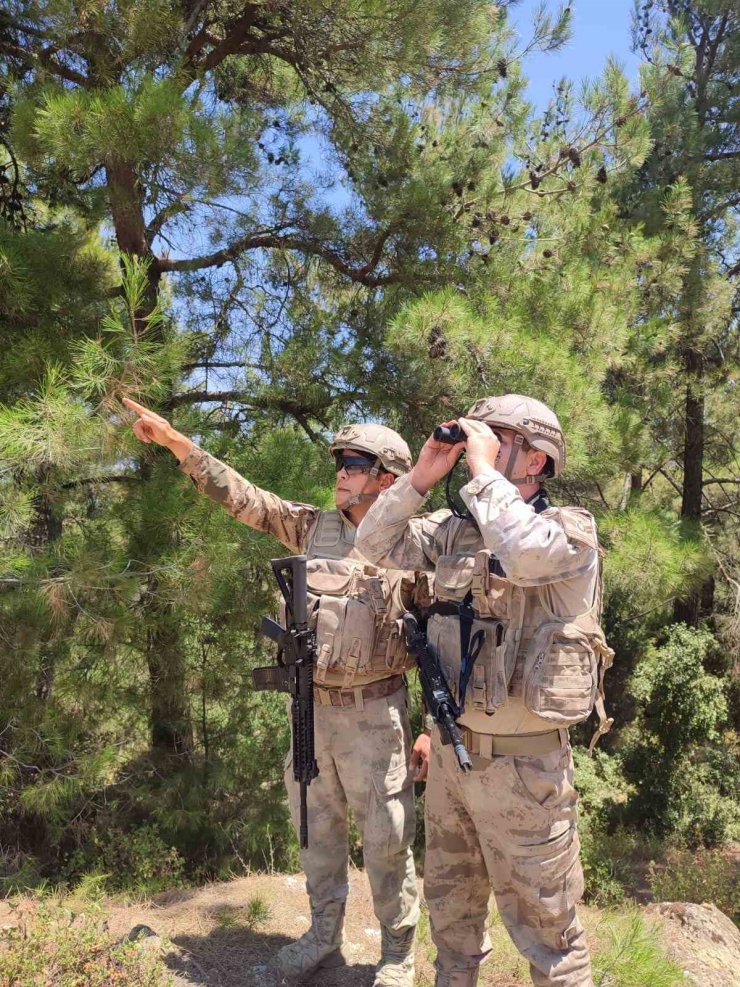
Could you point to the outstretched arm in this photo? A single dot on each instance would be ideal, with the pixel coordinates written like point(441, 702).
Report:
point(287, 520)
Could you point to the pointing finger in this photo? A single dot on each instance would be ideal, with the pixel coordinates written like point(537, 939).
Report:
point(134, 406)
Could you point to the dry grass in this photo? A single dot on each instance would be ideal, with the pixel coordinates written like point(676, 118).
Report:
point(216, 934)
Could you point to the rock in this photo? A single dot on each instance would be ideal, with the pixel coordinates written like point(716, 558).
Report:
point(141, 932)
point(702, 940)
point(175, 959)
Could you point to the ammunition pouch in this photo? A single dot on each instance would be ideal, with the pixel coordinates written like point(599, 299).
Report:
point(270, 678)
point(357, 621)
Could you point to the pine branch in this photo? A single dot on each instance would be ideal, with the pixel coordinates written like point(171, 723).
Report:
point(43, 57)
point(119, 478)
point(361, 275)
point(721, 155)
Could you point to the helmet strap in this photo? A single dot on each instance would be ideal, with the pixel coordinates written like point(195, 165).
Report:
point(362, 497)
point(516, 448)
point(528, 479)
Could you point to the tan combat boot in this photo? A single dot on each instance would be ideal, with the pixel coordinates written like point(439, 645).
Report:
point(396, 967)
point(320, 947)
point(456, 978)
point(455, 971)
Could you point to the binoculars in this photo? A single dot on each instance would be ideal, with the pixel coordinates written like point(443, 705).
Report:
point(449, 434)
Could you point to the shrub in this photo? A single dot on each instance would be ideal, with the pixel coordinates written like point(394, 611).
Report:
point(53, 946)
point(685, 785)
point(140, 861)
point(602, 790)
point(701, 876)
point(631, 954)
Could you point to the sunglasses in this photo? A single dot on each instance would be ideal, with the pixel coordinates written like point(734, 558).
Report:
point(352, 464)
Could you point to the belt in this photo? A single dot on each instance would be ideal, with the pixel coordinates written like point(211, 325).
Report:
point(514, 745)
point(359, 696)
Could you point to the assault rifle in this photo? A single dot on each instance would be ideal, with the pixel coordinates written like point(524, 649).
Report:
point(437, 696)
point(294, 671)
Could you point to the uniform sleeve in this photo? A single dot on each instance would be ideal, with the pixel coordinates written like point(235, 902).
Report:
point(288, 520)
point(391, 537)
point(534, 549)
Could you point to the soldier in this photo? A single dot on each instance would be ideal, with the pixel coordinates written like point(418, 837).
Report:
point(362, 731)
point(516, 624)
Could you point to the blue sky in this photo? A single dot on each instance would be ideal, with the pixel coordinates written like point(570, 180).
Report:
point(600, 28)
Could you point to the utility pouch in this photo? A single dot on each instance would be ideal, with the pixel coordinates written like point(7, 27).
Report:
point(493, 594)
point(453, 577)
point(560, 674)
point(478, 678)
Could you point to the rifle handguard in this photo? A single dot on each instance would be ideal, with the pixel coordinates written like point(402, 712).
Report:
point(437, 696)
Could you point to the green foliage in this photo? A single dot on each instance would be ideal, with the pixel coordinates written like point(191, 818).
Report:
point(698, 876)
point(53, 945)
point(603, 791)
point(139, 861)
point(681, 704)
point(631, 954)
point(255, 913)
point(131, 355)
point(258, 912)
point(650, 560)
point(686, 784)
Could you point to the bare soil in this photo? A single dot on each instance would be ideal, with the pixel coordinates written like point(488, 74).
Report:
point(214, 936)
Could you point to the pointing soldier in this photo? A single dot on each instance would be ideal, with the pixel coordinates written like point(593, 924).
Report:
point(362, 732)
point(515, 622)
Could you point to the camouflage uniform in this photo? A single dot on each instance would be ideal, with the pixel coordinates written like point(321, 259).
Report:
point(528, 585)
point(362, 732)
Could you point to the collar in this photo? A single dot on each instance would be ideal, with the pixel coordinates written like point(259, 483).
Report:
point(540, 501)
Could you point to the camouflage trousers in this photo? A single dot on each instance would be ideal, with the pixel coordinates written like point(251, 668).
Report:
point(509, 824)
point(363, 758)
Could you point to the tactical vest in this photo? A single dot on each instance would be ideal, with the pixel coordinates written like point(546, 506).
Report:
point(522, 666)
point(356, 609)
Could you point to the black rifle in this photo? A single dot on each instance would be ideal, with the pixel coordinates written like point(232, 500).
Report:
point(437, 696)
point(294, 671)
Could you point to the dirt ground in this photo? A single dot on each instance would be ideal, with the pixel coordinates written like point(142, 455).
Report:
point(215, 935)
point(216, 943)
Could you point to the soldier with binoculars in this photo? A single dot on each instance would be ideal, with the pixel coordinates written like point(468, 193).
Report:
point(515, 622)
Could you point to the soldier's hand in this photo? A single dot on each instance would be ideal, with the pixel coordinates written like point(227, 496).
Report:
point(419, 763)
point(482, 446)
point(436, 459)
point(151, 427)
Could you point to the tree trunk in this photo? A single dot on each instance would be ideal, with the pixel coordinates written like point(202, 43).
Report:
point(45, 530)
point(170, 721)
point(687, 608)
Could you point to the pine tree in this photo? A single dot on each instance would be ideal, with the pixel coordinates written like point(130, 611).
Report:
point(693, 335)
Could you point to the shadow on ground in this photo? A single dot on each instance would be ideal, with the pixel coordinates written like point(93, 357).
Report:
point(228, 957)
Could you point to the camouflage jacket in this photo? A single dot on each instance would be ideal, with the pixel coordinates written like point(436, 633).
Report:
point(357, 607)
point(533, 582)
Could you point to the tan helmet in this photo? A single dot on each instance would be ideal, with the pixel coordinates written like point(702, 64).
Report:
point(533, 420)
point(380, 441)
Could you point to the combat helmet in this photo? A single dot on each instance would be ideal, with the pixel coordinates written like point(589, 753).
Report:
point(389, 449)
point(534, 423)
